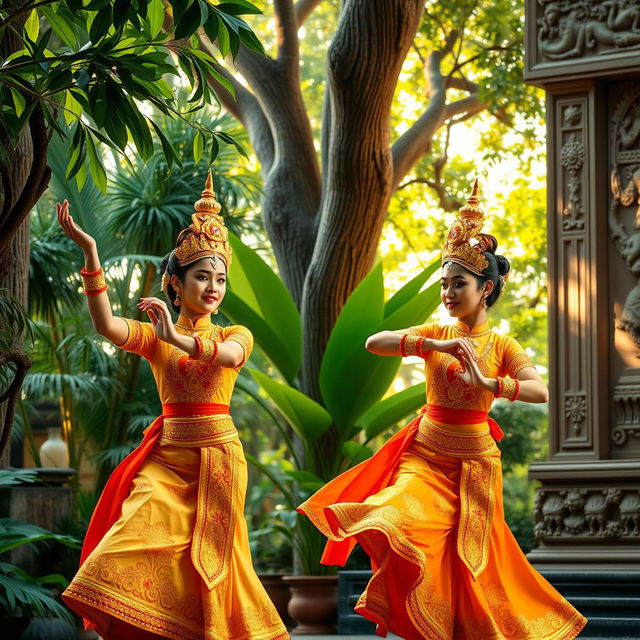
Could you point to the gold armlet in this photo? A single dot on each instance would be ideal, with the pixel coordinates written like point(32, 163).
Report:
point(93, 282)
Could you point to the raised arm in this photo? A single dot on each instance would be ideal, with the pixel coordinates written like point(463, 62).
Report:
point(105, 323)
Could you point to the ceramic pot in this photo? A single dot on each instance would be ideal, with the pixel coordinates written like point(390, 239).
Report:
point(53, 451)
point(313, 604)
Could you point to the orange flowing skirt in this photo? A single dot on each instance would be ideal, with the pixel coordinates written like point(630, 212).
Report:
point(446, 566)
point(177, 563)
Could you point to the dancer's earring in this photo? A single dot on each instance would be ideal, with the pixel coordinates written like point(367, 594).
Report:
point(215, 312)
point(177, 300)
point(483, 302)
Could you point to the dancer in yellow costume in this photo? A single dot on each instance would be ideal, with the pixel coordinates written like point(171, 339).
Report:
point(167, 551)
point(427, 508)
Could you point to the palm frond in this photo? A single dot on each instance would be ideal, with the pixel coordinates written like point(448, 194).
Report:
point(53, 268)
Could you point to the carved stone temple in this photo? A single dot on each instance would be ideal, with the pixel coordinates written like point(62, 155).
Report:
point(586, 55)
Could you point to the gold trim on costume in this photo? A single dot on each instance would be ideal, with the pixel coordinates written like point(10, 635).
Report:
point(518, 362)
point(212, 545)
point(477, 501)
point(198, 431)
point(134, 337)
point(453, 443)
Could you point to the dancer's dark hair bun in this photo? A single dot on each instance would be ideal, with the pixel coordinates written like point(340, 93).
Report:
point(497, 268)
point(171, 266)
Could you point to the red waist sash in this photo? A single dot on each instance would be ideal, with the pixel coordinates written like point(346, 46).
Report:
point(109, 507)
point(373, 475)
point(447, 415)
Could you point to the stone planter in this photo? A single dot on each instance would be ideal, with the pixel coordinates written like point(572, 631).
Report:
point(313, 604)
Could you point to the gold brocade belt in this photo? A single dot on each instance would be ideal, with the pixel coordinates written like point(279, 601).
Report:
point(480, 467)
point(218, 489)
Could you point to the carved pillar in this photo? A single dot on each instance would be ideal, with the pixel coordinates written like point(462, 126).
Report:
point(586, 56)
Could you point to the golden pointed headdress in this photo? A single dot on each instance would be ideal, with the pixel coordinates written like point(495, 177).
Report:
point(207, 234)
point(465, 244)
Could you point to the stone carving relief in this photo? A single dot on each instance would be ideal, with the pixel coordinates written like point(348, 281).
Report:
point(575, 411)
point(572, 159)
point(626, 399)
point(584, 28)
point(587, 513)
point(625, 188)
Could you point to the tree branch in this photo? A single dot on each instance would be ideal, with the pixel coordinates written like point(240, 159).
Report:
point(11, 395)
point(245, 108)
point(415, 142)
point(304, 8)
point(13, 213)
point(287, 33)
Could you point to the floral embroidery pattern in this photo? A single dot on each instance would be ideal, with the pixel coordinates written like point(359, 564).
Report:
point(560, 623)
point(477, 501)
point(518, 362)
point(457, 445)
point(148, 580)
point(212, 543)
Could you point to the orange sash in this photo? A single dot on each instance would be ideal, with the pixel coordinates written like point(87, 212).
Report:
point(376, 473)
point(109, 507)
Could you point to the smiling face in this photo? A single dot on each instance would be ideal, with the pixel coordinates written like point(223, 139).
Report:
point(460, 291)
point(203, 287)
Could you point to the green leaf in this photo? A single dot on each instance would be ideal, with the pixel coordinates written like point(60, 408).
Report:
point(238, 8)
point(72, 108)
point(355, 453)
point(101, 23)
point(18, 101)
point(212, 25)
point(223, 38)
point(190, 20)
point(77, 150)
point(61, 24)
point(409, 290)
point(346, 362)
point(415, 311)
point(155, 17)
point(32, 26)
point(198, 147)
point(269, 342)
point(391, 410)
point(252, 280)
point(98, 173)
point(306, 417)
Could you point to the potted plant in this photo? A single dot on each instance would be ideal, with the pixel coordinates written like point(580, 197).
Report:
point(332, 434)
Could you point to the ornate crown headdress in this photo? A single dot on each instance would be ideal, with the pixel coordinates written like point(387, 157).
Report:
point(458, 246)
point(206, 236)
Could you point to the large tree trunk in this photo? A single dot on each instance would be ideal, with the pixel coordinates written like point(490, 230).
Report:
point(22, 181)
point(365, 58)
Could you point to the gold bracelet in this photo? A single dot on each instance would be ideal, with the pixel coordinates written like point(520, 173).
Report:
point(508, 388)
point(93, 282)
point(412, 346)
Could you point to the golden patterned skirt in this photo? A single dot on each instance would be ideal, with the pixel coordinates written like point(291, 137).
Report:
point(446, 566)
point(177, 563)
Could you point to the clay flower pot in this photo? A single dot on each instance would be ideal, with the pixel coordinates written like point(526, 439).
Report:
point(279, 593)
point(313, 604)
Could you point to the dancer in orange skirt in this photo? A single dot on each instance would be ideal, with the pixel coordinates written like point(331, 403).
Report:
point(427, 508)
point(167, 554)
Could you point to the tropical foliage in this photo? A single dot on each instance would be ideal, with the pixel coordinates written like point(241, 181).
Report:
point(20, 593)
point(95, 60)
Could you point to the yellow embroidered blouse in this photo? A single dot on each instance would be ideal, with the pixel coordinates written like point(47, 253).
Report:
point(184, 378)
point(498, 355)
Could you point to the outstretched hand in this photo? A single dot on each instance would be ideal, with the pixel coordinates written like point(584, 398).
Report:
point(72, 230)
point(160, 318)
